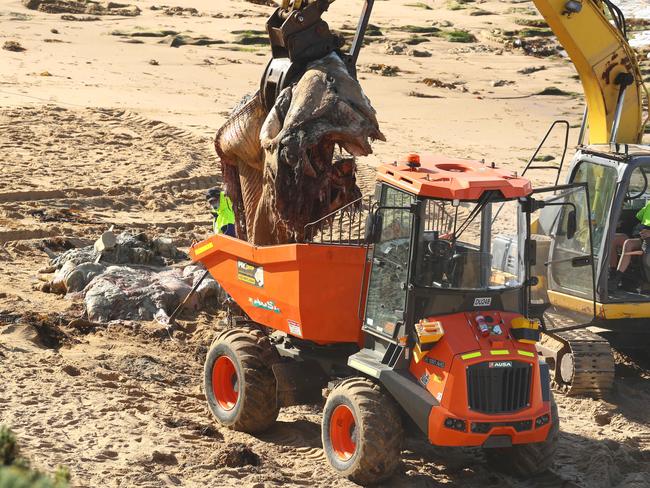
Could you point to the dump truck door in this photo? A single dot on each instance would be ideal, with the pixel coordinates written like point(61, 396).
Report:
point(390, 258)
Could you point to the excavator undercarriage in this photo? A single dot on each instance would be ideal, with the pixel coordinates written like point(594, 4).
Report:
point(580, 361)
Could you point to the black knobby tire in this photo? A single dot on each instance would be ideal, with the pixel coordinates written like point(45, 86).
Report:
point(527, 460)
point(377, 431)
point(251, 355)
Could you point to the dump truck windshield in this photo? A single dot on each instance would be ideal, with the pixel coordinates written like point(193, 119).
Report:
point(455, 245)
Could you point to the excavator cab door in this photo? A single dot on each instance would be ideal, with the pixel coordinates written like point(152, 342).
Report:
point(563, 260)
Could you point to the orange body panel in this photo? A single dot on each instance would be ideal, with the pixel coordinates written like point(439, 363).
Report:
point(453, 179)
point(443, 373)
point(309, 291)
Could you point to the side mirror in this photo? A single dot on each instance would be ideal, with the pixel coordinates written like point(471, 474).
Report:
point(374, 222)
point(571, 225)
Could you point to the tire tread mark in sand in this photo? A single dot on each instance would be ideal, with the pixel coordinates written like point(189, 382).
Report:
point(110, 138)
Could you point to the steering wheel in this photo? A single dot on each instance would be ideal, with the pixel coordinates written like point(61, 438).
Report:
point(629, 196)
point(439, 249)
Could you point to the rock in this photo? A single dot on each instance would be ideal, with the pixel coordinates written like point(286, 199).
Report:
point(54, 31)
point(82, 7)
point(603, 418)
point(444, 23)
point(181, 11)
point(153, 62)
point(396, 48)
point(531, 69)
point(237, 455)
point(167, 459)
point(420, 53)
point(497, 83)
point(83, 18)
point(71, 370)
point(383, 69)
point(82, 325)
point(13, 46)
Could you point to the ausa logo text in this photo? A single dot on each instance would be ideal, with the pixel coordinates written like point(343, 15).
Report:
point(500, 364)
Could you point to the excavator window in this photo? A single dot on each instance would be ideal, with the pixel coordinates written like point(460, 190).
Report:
point(627, 279)
point(601, 182)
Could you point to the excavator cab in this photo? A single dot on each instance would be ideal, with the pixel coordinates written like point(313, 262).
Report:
point(585, 307)
point(617, 182)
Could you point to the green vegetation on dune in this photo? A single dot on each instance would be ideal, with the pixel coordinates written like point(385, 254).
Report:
point(15, 471)
point(415, 40)
point(459, 36)
point(540, 23)
point(522, 10)
point(418, 29)
point(555, 91)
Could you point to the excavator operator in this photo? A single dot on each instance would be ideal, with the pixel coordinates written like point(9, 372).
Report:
point(635, 246)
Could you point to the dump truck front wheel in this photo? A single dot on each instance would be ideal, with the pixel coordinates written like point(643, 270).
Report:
point(239, 383)
point(527, 460)
point(362, 431)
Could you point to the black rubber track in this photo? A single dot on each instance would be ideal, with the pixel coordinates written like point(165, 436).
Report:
point(379, 431)
point(252, 353)
point(527, 460)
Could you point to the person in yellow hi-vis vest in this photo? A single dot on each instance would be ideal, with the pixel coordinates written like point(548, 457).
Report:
point(633, 247)
point(223, 216)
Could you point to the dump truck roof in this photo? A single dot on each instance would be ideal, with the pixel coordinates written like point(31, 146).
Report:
point(451, 178)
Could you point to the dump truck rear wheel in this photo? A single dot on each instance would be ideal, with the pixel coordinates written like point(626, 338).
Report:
point(526, 460)
point(362, 431)
point(239, 383)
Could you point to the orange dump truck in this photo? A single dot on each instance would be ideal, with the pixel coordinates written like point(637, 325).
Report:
point(415, 319)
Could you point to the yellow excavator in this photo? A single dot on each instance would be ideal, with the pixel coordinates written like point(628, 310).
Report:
point(587, 221)
point(582, 293)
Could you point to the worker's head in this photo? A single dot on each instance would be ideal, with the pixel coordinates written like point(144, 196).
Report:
point(213, 196)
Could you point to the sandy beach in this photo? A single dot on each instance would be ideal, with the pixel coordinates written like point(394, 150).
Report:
point(109, 120)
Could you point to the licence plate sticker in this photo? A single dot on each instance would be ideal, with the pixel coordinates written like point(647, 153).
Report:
point(483, 302)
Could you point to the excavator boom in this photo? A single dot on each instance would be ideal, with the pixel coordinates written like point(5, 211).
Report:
point(606, 63)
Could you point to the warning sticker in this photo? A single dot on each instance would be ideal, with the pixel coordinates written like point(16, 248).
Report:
point(251, 274)
point(294, 328)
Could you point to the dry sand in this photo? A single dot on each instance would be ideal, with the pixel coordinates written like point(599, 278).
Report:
point(94, 133)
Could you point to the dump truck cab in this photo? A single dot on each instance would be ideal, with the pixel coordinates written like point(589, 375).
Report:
point(444, 319)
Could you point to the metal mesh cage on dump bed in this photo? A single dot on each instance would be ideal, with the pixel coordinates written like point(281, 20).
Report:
point(347, 225)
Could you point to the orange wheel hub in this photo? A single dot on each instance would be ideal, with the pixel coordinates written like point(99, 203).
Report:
point(225, 383)
point(343, 432)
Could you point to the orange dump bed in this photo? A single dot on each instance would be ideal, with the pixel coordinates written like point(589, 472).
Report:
point(309, 291)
